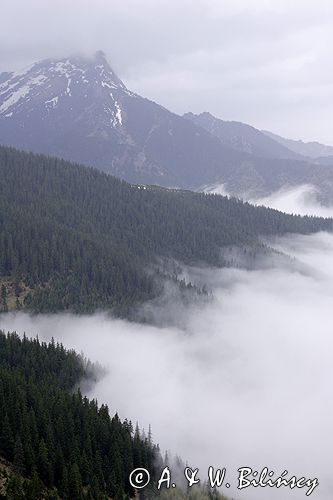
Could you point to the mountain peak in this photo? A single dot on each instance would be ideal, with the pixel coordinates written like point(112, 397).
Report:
point(96, 63)
point(241, 136)
point(47, 86)
point(97, 59)
point(204, 114)
point(100, 56)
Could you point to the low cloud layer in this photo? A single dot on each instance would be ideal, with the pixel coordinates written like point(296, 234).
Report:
point(296, 200)
point(246, 381)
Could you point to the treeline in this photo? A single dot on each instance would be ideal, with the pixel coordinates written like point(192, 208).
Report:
point(74, 238)
point(61, 444)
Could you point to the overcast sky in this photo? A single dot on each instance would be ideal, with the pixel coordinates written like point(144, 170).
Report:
point(265, 62)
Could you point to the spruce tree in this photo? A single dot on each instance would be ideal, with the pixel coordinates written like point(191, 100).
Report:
point(19, 459)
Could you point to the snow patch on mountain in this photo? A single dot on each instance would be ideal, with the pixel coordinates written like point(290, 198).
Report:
point(118, 113)
point(13, 98)
point(109, 85)
point(51, 103)
point(76, 77)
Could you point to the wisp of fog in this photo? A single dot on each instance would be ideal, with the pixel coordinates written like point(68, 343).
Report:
point(301, 199)
point(295, 200)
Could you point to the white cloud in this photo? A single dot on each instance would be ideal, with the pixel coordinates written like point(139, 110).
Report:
point(300, 200)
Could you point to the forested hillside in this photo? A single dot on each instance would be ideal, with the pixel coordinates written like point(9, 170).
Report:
point(57, 444)
point(57, 439)
point(74, 238)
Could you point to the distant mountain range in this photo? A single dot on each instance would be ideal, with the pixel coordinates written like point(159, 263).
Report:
point(78, 109)
point(243, 137)
point(311, 149)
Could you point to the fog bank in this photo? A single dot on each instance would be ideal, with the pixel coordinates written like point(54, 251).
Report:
point(299, 200)
point(295, 200)
point(246, 382)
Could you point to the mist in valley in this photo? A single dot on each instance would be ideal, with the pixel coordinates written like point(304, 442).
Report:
point(244, 379)
point(300, 200)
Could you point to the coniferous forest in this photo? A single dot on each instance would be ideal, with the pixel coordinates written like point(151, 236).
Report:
point(73, 238)
point(158, 317)
point(57, 439)
point(57, 444)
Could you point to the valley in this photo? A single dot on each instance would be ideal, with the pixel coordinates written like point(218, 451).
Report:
point(166, 242)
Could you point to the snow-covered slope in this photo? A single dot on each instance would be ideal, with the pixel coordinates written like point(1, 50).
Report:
point(73, 108)
point(49, 84)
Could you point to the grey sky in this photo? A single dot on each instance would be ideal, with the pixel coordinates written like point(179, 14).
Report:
point(264, 62)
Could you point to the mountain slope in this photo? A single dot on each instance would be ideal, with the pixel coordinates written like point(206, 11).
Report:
point(311, 149)
point(274, 166)
point(74, 238)
point(72, 108)
point(56, 444)
point(242, 137)
point(78, 109)
point(325, 160)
